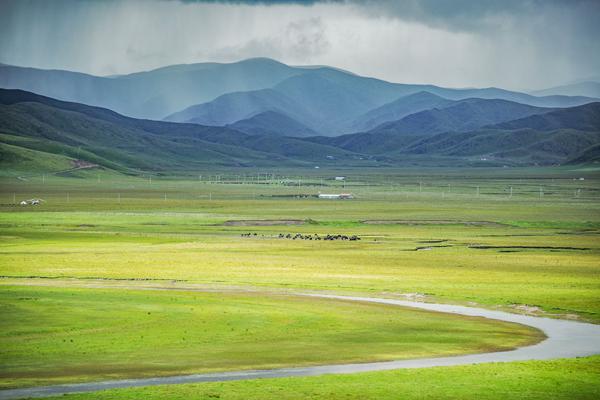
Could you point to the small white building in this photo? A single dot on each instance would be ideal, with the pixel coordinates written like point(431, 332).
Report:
point(31, 202)
point(340, 178)
point(340, 196)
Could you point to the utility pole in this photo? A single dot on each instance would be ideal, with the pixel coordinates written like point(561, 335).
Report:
point(43, 178)
point(510, 196)
point(478, 191)
point(541, 192)
point(14, 198)
point(420, 187)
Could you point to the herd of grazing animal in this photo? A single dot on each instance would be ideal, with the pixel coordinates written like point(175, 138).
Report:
point(299, 236)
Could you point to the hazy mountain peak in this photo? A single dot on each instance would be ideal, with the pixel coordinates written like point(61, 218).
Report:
point(272, 122)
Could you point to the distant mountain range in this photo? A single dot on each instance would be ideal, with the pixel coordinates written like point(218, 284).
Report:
point(38, 132)
point(260, 112)
point(325, 100)
point(585, 88)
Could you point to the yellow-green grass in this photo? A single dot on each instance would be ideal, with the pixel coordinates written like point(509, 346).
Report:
point(533, 380)
point(97, 224)
point(53, 335)
point(173, 247)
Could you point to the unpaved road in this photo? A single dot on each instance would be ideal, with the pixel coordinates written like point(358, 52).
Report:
point(565, 339)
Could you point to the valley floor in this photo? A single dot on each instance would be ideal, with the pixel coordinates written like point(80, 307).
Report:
point(520, 241)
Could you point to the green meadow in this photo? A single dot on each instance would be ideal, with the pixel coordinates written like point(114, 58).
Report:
point(539, 380)
point(80, 265)
point(63, 334)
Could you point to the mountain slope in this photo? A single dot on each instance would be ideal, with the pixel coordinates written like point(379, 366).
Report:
point(587, 156)
point(114, 141)
point(548, 138)
point(583, 118)
point(272, 123)
point(397, 109)
point(328, 102)
point(311, 99)
point(34, 127)
point(43, 128)
point(233, 107)
point(553, 137)
point(523, 145)
point(459, 116)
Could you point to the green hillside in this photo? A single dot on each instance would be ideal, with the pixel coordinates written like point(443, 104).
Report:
point(67, 134)
point(99, 136)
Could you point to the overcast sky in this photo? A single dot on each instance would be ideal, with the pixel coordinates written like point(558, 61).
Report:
point(520, 44)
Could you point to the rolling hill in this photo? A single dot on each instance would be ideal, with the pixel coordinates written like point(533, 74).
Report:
point(523, 146)
point(29, 122)
point(396, 110)
point(583, 118)
point(588, 156)
point(554, 136)
point(38, 132)
point(232, 107)
point(463, 115)
point(272, 123)
point(551, 138)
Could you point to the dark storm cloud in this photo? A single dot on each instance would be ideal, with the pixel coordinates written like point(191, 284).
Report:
point(459, 14)
point(515, 44)
point(262, 2)
point(451, 14)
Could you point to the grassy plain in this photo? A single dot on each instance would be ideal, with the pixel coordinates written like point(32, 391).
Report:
point(58, 335)
point(533, 380)
point(522, 240)
point(123, 228)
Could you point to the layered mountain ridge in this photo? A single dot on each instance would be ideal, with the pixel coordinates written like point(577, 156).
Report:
point(260, 112)
point(35, 128)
